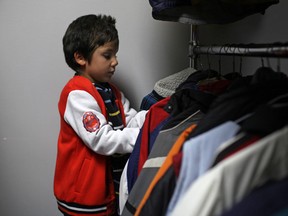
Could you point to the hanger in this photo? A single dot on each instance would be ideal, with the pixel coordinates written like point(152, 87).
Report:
point(208, 59)
point(278, 65)
point(234, 74)
point(219, 62)
point(240, 66)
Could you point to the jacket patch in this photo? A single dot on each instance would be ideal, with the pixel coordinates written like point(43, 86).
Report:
point(90, 122)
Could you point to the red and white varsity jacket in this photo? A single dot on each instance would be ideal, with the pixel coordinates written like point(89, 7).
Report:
point(83, 183)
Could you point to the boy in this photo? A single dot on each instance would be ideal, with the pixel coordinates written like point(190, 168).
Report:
point(96, 120)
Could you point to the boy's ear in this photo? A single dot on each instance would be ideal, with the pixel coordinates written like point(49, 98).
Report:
point(79, 58)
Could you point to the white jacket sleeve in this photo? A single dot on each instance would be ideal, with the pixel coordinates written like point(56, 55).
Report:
point(133, 118)
point(101, 138)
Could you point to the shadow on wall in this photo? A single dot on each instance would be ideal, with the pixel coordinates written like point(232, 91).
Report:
point(237, 32)
point(164, 51)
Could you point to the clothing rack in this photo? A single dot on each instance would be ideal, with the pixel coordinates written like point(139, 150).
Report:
point(276, 50)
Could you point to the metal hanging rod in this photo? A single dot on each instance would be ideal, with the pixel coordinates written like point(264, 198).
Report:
point(279, 50)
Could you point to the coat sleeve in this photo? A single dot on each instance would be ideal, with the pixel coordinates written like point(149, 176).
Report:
point(133, 118)
point(84, 115)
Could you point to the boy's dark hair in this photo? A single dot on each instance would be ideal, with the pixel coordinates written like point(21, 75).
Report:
point(85, 34)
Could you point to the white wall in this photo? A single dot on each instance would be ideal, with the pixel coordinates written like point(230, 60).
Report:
point(33, 72)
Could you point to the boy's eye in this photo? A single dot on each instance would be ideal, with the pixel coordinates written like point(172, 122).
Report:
point(107, 56)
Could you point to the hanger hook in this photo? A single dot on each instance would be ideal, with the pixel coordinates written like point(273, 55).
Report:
point(241, 59)
point(267, 57)
point(233, 56)
point(208, 59)
point(219, 61)
point(262, 61)
point(278, 64)
point(277, 44)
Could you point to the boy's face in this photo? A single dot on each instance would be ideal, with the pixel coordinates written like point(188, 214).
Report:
point(103, 63)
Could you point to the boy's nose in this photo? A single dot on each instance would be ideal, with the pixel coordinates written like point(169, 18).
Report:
point(114, 62)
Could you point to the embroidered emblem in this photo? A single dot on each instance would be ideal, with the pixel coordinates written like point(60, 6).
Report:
point(90, 121)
